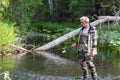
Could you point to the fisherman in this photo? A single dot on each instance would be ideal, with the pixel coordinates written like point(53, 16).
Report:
point(87, 48)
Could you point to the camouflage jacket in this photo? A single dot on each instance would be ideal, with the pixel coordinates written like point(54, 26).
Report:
point(92, 38)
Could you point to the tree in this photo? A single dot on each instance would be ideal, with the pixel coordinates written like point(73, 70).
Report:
point(21, 12)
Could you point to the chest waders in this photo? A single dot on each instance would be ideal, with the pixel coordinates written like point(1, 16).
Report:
point(86, 61)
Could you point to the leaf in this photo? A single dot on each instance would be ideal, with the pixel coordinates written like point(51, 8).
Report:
point(6, 75)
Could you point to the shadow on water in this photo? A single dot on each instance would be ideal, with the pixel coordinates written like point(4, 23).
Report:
point(49, 66)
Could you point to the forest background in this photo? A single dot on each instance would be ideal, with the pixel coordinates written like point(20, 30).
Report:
point(19, 18)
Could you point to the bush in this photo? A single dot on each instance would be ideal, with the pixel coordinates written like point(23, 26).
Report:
point(7, 36)
point(110, 41)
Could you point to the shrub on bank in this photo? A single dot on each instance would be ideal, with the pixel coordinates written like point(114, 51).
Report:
point(7, 36)
point(110, 41)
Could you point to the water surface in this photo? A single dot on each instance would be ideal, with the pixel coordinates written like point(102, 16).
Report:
point(54, 67)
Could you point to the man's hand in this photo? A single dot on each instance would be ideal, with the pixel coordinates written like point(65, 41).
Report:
point(93, 52)
point(73, 45)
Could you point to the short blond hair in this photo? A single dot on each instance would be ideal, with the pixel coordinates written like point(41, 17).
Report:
point(85, 18)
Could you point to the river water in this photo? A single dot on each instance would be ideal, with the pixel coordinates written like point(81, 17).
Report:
point(50, 66)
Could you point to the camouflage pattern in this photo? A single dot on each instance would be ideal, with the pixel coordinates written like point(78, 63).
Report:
point(87, 42)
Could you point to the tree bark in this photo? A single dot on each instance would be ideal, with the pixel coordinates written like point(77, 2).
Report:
point(71, 34)
point(14, 47)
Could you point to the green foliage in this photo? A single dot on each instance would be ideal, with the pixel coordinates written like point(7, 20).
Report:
point(49, 27)
point(78, 8)
point(27, 12)
point(64, 10)
point(21, 11)
point(50, 31)
point(110, 6)
point(115, 39)
point(6, 75)
point(24, 12)
point(3, 5)
point(7, 36)
point(109, 39)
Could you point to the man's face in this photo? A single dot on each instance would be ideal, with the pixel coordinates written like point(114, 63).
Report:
point(83, 23)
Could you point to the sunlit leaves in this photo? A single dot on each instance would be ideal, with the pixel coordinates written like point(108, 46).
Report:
point(3, 4)
point(6, 75)
point(7, 35)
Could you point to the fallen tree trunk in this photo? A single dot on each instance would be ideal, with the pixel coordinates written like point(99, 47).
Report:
point(65, 37)
point(18, 51)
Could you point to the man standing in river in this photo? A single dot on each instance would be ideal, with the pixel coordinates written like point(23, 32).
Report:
point(87, 48)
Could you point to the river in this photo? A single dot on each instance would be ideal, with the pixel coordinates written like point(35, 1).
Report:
point(53, 67)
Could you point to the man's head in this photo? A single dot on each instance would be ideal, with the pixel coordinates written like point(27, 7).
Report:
point(84, 21)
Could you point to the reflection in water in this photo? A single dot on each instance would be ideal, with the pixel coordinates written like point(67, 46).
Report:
point(53, 67)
